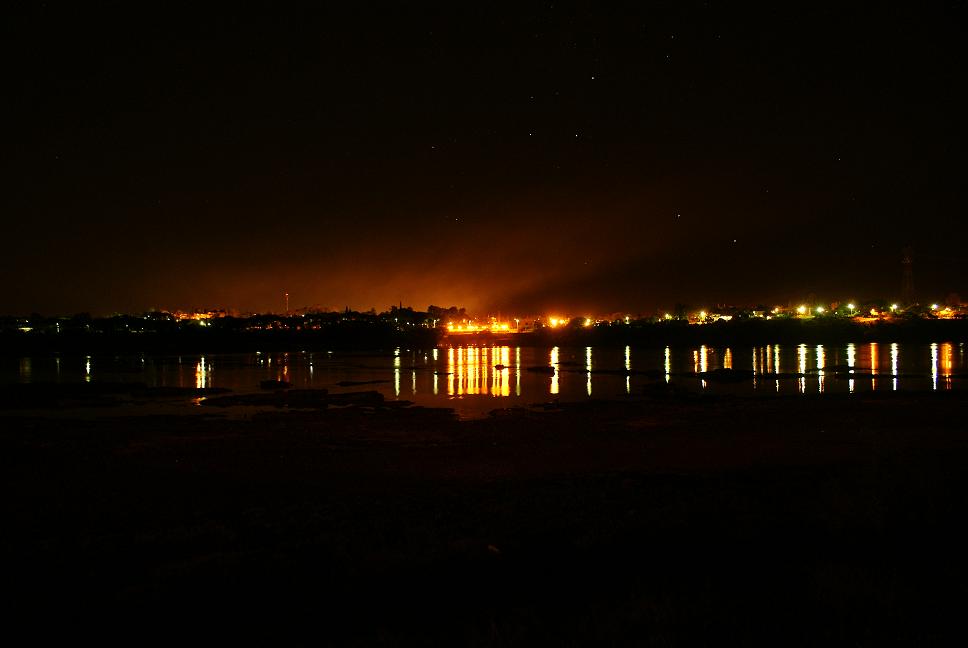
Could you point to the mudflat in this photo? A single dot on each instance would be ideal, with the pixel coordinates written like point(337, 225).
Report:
point(659, 519)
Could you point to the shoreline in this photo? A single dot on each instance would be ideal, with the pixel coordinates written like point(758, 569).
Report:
point(736, 333)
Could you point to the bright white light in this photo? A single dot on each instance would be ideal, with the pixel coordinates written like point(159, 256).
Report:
point(819, 309)
point(934, 307)
point(801, 309)
point(893, 307)
point(850, 306)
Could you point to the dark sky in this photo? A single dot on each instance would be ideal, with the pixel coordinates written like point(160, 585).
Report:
point(533, 156)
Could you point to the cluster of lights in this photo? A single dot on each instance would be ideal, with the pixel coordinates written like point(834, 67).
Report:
point(193, 316)
point(493, 327)
point(802, 309)
point(702, 316)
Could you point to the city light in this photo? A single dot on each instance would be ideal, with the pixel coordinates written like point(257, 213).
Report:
point(493, 327)
point(502, 327)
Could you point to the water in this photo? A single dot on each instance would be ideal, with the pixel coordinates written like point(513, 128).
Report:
point(476, 379)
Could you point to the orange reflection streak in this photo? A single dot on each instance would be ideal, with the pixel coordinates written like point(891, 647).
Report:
point(500, 378)
point(483, 361)
point(474, 370)
point(728, 359)
point(873, 365)
point(201, 374)
point(459, 371)
point(554, 363)
point(947, 353)
point(703, 361)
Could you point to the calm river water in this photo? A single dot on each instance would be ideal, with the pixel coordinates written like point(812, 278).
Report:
point(476, 379)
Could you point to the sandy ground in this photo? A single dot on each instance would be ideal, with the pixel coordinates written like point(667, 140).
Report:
point(668, 520)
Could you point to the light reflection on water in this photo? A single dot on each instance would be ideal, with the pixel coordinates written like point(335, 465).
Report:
point(202, 374)
point(554, 375)
point(873, 360)
point(851, 361)
point(894, 359)
point(462, 377)
point(821, 362)
point(802, 367)
point(628, 368)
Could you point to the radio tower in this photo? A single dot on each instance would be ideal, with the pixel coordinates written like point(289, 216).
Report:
point(287, 303)
point(907, 275)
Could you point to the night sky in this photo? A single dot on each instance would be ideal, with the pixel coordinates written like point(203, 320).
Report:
point(570, 157)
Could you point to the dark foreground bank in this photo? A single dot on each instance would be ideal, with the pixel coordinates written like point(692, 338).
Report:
point(667, 519)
